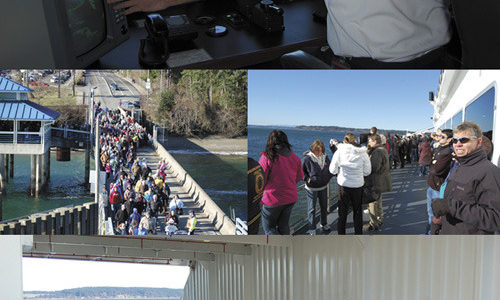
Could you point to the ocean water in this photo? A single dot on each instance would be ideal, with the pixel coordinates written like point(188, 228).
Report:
point(223, 176)
point(66, 186)
point(300, 141)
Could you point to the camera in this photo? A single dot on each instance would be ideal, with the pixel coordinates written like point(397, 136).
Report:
point(263, 13)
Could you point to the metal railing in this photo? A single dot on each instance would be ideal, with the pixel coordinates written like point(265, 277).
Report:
point(21, 137)
point(332, 204)
point(29, 138)
point(6, 137)
point(69, 133)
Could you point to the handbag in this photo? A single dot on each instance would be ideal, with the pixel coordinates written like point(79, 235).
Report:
point(369, 195)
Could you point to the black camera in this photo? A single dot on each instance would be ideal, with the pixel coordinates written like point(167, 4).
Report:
point(263, 13)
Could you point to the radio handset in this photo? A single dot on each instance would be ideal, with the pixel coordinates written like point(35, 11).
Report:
point(154, 50)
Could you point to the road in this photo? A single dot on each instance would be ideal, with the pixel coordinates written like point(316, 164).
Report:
point(104, 93)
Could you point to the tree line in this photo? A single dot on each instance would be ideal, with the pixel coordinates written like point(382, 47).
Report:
point(198, 102)
point(110, 292)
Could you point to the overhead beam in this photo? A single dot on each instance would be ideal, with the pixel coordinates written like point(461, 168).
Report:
point(177, 262)
point(159, 243)
point(118, 252)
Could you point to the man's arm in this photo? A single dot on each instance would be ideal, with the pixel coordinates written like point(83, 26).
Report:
point(132, 6)
point(442, 165)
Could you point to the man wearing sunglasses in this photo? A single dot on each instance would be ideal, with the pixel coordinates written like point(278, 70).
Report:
point(471, 203)
point(438, 170)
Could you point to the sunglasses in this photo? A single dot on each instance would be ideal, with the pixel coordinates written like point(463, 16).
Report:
point(463, 140)
point(443, 136)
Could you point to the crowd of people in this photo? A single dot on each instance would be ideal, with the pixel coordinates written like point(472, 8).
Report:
point(462, 197)
point(137, 195)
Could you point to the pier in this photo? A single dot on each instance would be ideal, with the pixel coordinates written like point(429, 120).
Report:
point(211, 220)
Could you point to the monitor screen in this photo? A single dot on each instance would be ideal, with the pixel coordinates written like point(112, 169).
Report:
point(87, 24)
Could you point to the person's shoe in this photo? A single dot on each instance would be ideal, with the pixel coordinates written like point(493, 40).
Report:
point(366, 211)
point(370, 227)
point(311, 232)
point(325, 228)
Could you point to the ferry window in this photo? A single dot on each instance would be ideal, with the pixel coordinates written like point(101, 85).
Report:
point(457, 119)
point(447, 124)
point(481, 112)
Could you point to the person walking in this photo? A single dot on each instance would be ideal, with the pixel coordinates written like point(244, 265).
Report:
point(315, 166)
point(282, 171)
point(350, 163)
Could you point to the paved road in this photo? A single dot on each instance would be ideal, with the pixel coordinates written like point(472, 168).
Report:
point(405, 207)
point(109, 97)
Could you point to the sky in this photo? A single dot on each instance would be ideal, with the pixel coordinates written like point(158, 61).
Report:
point(42, 274)
point(390, 99)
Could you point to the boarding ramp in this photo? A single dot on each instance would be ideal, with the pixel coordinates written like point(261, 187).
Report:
point(211, 219)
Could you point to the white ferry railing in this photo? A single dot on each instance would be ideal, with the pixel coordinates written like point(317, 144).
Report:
point(331, 205)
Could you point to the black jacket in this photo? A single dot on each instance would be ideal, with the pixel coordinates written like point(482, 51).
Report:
point(319, 177)
point(439, 167)
point(473, 195)
point(380, 178)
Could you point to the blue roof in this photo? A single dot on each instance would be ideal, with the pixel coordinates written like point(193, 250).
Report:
point(7, 85)
point(26, 110)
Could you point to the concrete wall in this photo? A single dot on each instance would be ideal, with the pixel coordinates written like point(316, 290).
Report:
point(222, 222)
point(81, 219)
point(11, 276)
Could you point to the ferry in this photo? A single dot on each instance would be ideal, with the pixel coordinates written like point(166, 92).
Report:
point(469, 95)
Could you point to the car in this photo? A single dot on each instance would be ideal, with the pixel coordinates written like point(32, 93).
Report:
point(114, 86)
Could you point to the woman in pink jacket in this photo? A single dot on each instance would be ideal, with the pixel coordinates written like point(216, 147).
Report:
point(282, 171)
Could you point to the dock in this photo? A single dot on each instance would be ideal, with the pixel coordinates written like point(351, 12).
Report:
point(203, 226)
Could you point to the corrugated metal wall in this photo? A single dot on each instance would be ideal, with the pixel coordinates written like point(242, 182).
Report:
point(352, 268)
point(265, 274)
point(327, 268)
point(439, 267)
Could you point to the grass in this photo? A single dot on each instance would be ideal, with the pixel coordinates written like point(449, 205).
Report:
point(47, 96)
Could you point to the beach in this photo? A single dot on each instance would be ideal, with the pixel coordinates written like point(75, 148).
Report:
point(210, 144)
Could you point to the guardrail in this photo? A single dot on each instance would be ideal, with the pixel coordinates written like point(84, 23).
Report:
point(221, 221)
point(21, 137)
point(69, 133)
point(241, 227)
point(331, 205)
point(81, 219)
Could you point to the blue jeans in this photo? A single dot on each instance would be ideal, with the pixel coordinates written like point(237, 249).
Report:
point(414, 154)
point(423, 170)
point(311, 207)
point(431, 194)
point(275, 219)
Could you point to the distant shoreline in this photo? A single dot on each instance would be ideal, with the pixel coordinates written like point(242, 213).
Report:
point(330, 129)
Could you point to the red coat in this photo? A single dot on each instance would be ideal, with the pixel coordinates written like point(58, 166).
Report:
point(114, 196)
point(425, 154)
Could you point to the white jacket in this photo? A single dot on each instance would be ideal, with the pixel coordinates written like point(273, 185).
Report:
point(351, 163)
point(387, 30)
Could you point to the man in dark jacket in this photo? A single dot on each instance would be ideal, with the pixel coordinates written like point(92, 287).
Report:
point(438, 171)
point(471, 203)
point(379, 180)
